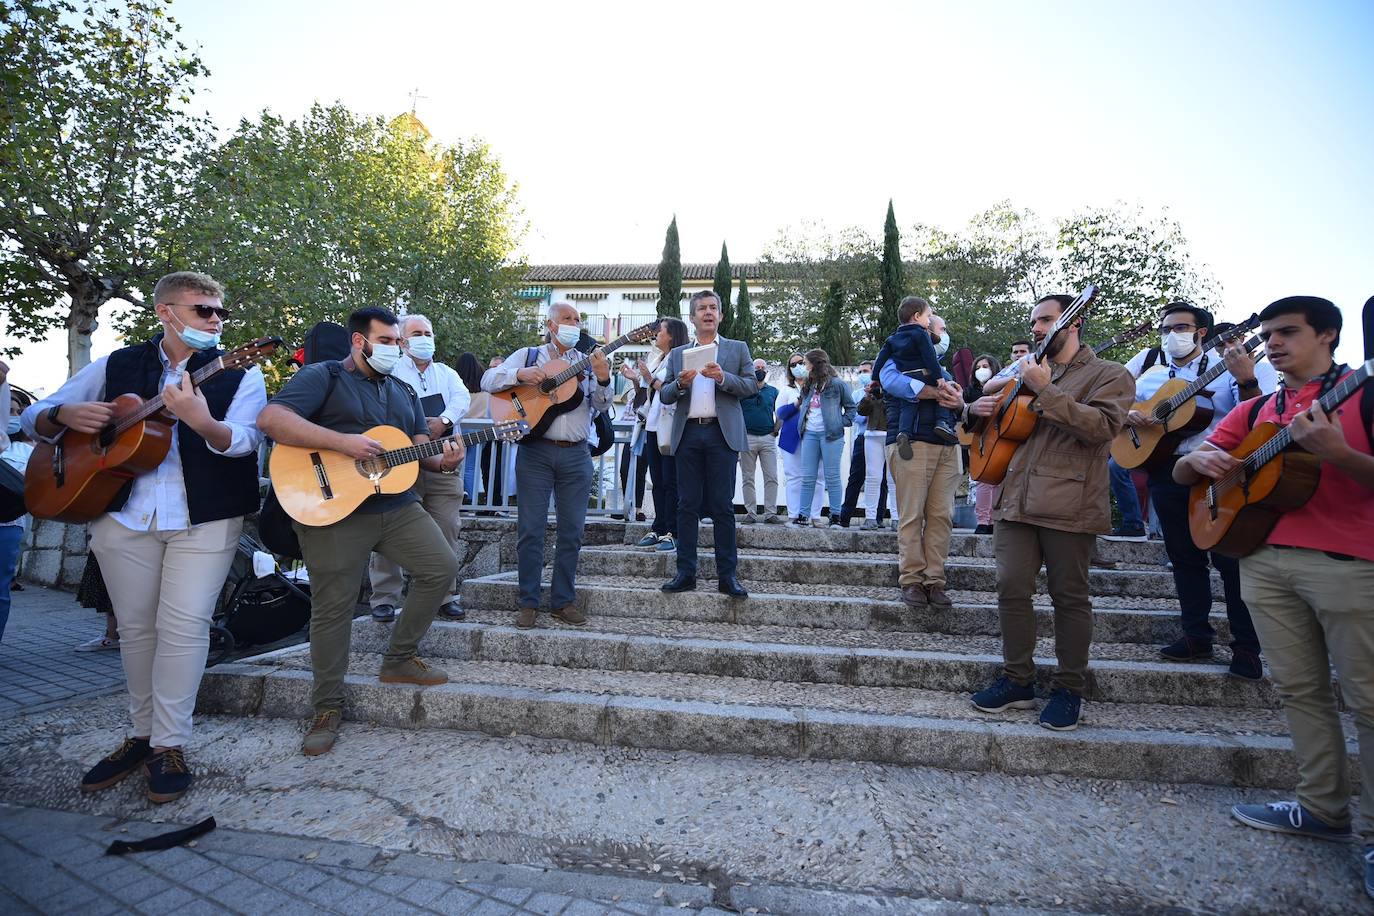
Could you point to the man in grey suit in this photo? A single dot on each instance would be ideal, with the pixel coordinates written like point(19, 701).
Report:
point(707, 437)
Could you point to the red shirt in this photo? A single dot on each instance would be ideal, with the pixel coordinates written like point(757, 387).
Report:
point(1340, 515)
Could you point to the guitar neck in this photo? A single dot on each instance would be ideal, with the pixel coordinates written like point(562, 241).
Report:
point(577, 368)
point(1068, 316)
point(399, 456)
point(1329, 402)
point(1206, 378)
point(156, 404)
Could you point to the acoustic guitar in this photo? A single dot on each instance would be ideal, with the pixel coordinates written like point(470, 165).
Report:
point(1177, 416)
point(320, 486)
point(996, 438)
point(75, 478)
point(1234, 514)
point(539, 404)
point(1139, 330)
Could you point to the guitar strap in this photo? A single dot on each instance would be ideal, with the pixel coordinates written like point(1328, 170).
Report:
point(1328, 382)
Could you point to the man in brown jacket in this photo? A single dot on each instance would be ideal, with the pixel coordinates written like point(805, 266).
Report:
point(1052, 506)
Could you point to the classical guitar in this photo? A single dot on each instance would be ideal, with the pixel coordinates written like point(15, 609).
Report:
point(996, 438)
point(75, 478)
point(539, 404)
point(320, 487)
point(1234, 514)
point(1234, 333)
point(1139, 330)
point(1177, 416)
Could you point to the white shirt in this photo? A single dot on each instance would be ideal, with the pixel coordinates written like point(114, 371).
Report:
point(158, 499)
point(436, 379)
point(1225, 392)
point(572, 426)
point(703, 397)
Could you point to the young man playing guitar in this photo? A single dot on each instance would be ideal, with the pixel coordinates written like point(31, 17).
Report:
point(166, 541)
point(1053, 503)
point(1182, 328)
point(556, 465)
point(328, 406)
point(1309, 586)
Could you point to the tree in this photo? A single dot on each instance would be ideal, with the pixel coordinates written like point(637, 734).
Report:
point(744, 315)
point(308, 220)
point(893, 275)
point(721, 286)
point(670, 275)
point(96, 144)
point(833, 335)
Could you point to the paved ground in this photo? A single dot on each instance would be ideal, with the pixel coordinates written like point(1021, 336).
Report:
point(39, 664)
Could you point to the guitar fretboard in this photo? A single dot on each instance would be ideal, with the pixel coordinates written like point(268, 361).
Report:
point(237, 359)
point(577, 368)
point(399, 456)
point(1164, 409)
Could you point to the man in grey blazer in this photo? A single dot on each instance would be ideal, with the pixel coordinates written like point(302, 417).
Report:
point(707, 437)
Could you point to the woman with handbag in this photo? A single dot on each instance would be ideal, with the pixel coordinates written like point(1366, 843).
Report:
point(826, 407)
point(672, 332)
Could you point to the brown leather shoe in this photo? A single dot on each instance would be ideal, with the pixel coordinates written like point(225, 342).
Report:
point(412, 671)
point(323, 732)
point(570, 614)
point(937, 596)
point(915, 596)
point(525, 619)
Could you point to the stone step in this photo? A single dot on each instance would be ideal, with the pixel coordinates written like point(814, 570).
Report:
point(757, 567)
point(962, 543)
point(713, 714)
point(1153, 621)
point(954, 664)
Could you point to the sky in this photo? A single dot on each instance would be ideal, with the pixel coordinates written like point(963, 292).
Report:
point(1251, 122)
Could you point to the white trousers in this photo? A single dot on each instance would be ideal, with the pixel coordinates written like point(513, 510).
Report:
point(164, 586)
point(875, 466)
point(792, 470)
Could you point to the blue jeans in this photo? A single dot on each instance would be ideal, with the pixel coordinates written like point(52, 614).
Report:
point(544, 471)
point(1127, 499)
point(815, 450)
point(706, 467)
point(10, 538)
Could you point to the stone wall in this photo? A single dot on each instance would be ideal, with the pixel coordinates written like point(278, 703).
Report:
point(54, 554)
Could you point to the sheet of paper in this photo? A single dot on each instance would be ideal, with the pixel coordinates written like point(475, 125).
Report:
point(699, 358)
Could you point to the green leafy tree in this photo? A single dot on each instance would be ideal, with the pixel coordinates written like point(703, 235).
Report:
point(670, 275)
point(833, 336)
point(744, 315)
point(721, 286)
point(894, 287)
point(95, 144)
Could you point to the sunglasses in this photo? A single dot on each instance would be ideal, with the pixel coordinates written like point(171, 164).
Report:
point(205, 311)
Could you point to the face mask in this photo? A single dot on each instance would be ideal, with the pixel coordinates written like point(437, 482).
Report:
point(760, 374)
point(799, 371)
point(382, 357)
point(422, 348)
point(569, 334)
point(942, 346)
point(12, 427)
point(1178, 344)
point(982, 375)
point(195, 338)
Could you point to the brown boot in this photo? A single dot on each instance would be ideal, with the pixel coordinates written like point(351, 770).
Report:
point(525, 619)
point(323, 732)
point(411, 671)
point(915, 596)
point(937, 596)
point(570, 614)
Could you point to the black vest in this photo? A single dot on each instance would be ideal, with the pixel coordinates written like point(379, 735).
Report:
point(216, 487)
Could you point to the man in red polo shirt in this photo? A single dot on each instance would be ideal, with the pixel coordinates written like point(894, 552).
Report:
point(1309, 586)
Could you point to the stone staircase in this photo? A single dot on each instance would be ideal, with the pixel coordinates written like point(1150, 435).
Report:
point(821, 661)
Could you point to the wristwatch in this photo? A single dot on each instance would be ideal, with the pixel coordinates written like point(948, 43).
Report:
point(1252, 383)
point(448, 425)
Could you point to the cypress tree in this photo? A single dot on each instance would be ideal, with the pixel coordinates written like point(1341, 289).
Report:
point(721, 287)
point(744, 316)
point(833, 334)
point(893, 275)
point(670, 275)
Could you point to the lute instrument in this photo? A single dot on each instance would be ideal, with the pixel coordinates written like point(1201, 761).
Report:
point(1127, 336)
point(75, 478)
point(320, 486)
point(1234, 514)
point(997, 437)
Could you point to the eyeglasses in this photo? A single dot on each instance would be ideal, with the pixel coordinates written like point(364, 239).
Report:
point(205, 311)
point(1177, 328)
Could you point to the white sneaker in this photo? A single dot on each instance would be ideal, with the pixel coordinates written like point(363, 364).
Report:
point(100, 642)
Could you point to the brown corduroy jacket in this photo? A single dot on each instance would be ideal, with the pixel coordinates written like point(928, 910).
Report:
point(1058, 477)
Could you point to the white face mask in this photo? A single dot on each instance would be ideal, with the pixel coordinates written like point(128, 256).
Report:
point(422, 348)
point(799, 371)
point(383, 357)
point(942, 347)
point(569, 334)
point(1178, 344)
point(982, 374)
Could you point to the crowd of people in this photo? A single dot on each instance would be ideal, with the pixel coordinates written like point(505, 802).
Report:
point(705, 415)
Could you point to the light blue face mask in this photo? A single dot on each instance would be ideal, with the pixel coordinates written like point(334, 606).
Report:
point(422, 348)
point(12, 427)
point(942, 347)
point(197, 339)
point(569, 334)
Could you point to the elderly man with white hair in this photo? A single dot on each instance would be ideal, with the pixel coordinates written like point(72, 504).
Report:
point(444, 399)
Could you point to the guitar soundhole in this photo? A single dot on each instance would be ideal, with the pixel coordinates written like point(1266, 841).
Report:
point(373, 468)
point(103, 441)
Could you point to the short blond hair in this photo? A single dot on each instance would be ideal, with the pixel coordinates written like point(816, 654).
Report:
point(188, 280)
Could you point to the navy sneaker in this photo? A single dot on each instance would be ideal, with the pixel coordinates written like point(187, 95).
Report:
point(1062, 711)
point(1247, 665)
point(384, 613)
point(1290, 817)
point(1369, 871)
point(126, 758)
point(168, 776)
point(1004, 695)
point(1186, 648)
point(649, 540)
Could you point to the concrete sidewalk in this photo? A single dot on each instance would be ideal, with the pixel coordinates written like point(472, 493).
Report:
point(39, 664)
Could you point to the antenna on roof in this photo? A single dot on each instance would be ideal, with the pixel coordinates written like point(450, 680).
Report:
point(415, 98)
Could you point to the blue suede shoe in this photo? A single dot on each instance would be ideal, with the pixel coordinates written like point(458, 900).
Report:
point(649, 540)
point(1062, 711)
point(1290, 817)
point(1004, 695)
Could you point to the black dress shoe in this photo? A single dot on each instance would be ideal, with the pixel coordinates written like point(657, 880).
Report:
point(680, 583)
point(729, 585)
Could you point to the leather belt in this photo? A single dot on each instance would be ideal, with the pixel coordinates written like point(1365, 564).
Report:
point(561, 444)
point(703, 420)
point(1343, 557)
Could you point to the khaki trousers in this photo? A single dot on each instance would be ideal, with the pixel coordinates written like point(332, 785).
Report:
point(1020, 550)
point(336, 556)
point(925, 508)
point(442, 497)
point(164, 586)
point(762, 450)
point(1311, 610)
